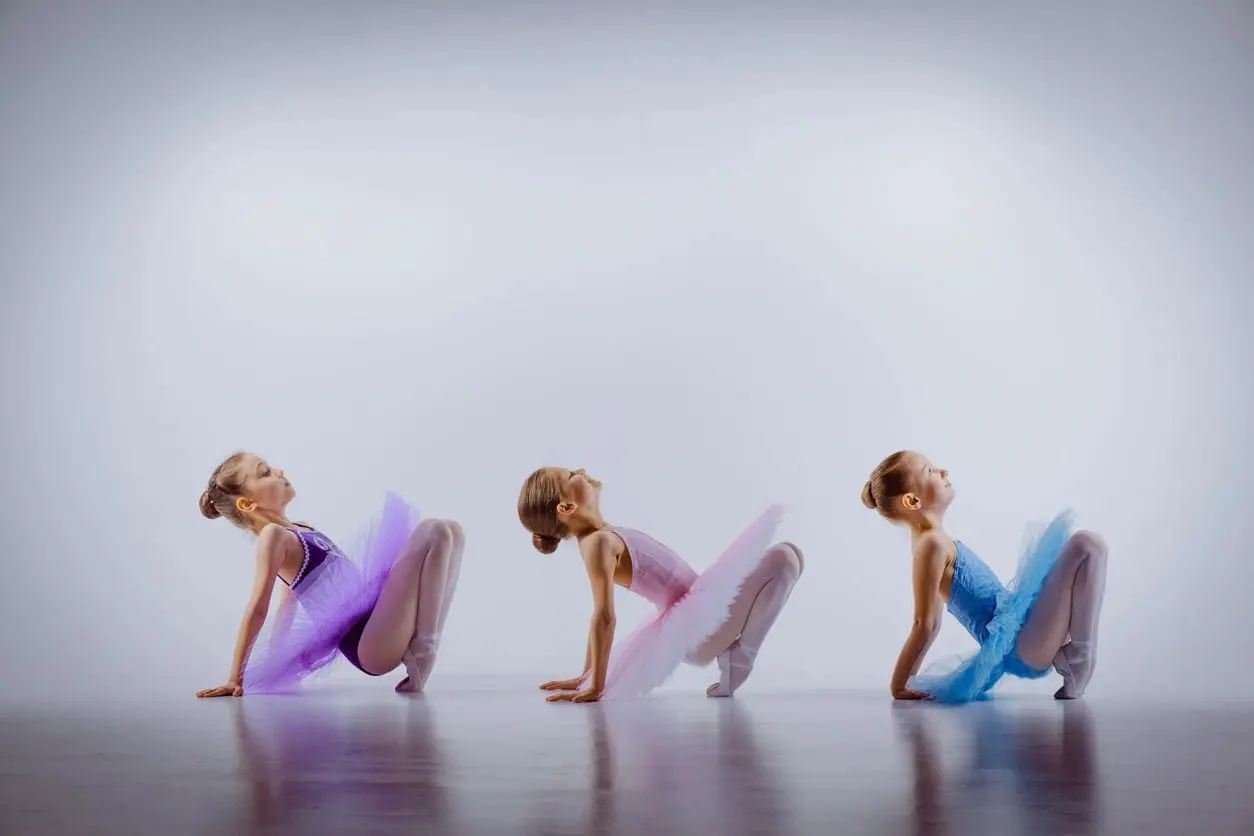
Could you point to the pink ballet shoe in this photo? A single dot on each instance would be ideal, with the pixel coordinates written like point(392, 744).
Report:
point(1068, 689)
point(1072, 661)
point(419, 661)
point(734, 667)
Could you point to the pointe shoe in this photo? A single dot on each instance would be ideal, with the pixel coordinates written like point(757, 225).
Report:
point(1068, 689)
point(734, 667)
point(1073, 661)
point(419, 661)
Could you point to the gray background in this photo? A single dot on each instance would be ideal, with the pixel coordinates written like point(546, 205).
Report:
point(720, 256)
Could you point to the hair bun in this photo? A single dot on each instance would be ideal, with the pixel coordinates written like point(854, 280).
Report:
point(868, 498)
point(545, 544)
point(208, 508)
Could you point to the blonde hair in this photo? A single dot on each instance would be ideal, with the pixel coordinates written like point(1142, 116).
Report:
point(537, 511)
point(890, 481)
point(226, 485)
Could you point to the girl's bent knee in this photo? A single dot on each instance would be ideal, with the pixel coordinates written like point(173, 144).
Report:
point(786, 558)
point(1090, 544)
point(432, 534)
point(459, 534)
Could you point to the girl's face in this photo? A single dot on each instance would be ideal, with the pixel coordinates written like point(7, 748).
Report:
point(934, 491)
point(264, 486)
point(580, 493)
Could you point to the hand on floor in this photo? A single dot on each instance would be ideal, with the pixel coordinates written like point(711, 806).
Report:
point(231, 689)
point(909, 694)
point(562, 685)
point(578, 696)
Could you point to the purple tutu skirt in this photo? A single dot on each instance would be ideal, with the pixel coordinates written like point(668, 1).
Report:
point(334, 599)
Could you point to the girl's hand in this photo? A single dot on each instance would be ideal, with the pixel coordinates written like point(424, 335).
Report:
point(580, 696)
point(909, 694)
point(231, 689)
point(562, 685)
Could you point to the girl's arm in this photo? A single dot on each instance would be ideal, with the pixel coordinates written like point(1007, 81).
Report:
point(929, 567)
point(600, 557)
point(286, 611)
point(271, 549)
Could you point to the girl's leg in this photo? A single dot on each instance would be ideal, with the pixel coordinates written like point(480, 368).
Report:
point(416, 582)
point(1069, 606)
point(420, 657)
point(763, 595)
point(454, 571)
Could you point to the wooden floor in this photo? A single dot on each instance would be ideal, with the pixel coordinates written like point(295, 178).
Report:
point(498, 760)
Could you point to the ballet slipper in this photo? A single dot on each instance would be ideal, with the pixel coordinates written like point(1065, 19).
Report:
point(734, 667)
point(1074, 663)
point(419, 660)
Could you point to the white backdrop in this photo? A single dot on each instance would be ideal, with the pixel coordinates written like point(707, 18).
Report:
point(718, 258)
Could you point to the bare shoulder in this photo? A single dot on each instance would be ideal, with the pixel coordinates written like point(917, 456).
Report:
point(274, 544)
point(602, 542)
point(601, 547)
point(932, 549)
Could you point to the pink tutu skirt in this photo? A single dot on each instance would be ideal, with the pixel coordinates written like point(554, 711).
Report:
point(651, 653)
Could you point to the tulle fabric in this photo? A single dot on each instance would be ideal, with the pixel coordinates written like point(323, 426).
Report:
point(960, 680)
point(332, 598)
point(648, 657)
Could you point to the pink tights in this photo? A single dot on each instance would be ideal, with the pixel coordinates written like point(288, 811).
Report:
point(1062, 629)
point(736, 644)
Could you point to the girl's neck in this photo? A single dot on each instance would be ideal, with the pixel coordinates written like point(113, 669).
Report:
point(263, 518)
point(590, 524)
point(928, 522)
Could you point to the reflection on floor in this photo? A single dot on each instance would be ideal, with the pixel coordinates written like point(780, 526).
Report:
point(504, 762)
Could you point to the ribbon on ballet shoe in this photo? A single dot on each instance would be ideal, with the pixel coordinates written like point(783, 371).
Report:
point(1073, 662)
point(722, 688)
point(419, 658)
point(1062, 664)
point(734, 666)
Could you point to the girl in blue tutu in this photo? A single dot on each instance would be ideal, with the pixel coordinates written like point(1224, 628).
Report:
point(1047, 617)
point(379, 604)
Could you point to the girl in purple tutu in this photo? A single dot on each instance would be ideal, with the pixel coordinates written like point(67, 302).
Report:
point(722, 614)
point(380, 608)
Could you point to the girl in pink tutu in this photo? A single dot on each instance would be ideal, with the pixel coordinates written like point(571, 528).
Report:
point(721, 614)
point(384, 606)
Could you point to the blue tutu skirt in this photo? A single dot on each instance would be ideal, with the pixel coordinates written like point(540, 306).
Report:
point(973, 676)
